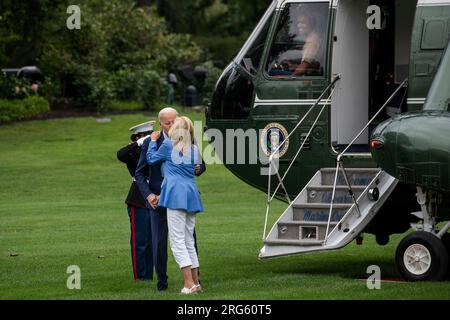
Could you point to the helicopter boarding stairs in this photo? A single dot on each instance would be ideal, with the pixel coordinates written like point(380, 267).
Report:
point(334, 208)
point(307, 226)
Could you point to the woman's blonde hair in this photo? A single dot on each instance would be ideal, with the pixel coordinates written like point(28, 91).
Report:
point(182, 134)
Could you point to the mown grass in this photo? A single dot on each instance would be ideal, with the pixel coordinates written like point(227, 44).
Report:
point(61, 204)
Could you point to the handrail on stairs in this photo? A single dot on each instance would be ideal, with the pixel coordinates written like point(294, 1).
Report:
point(340, 164)
point(276, 151)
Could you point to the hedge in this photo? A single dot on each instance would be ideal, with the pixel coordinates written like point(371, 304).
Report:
point(11, 110)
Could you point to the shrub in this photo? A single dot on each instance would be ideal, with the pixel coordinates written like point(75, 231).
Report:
point(35, 105)
point(101, 95)
point(11, 110)
point(122, 55)
point(126, 105)
point(7, 86)
point(12, 87)
point(211, 80)
point(143, 85)
point(221, 49)
point(94, 87)
point(151, 89)
point(125, 83)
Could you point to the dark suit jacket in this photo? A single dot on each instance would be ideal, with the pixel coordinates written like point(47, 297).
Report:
point(149, 178)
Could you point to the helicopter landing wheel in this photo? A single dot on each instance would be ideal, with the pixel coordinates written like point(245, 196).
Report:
point(421, 256)
point(446, 240)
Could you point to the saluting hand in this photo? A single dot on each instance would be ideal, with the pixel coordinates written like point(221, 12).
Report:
point(140, 142)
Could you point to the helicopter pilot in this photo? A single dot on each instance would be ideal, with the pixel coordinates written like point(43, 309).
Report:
point(306, 29)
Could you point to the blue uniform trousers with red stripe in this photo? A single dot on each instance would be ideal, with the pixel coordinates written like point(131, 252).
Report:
point(141, 242)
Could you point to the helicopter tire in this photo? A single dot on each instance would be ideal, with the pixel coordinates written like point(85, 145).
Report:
point(421, 256)
point(446, 240)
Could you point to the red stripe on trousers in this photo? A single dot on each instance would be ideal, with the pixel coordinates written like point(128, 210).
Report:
point(133, 237)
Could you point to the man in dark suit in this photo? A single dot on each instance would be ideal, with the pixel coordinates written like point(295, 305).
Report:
point(151, 190)
point(139, 214)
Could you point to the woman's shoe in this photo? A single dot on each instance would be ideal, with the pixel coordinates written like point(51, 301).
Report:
point(198, 288)
point(192, 290)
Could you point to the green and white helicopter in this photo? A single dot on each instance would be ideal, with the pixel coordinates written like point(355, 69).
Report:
point(350, 99)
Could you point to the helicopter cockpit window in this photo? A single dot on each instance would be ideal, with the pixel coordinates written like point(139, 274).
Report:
point(232, 98)
point(252, 58)
point(299, 46)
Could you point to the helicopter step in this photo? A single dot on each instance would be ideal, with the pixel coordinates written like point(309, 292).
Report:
point(306, 225)
point(323, 194)
point(319, 211)
point(356, 176)
point(305, 231)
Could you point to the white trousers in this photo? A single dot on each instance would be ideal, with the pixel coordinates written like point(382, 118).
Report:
point(181, 236)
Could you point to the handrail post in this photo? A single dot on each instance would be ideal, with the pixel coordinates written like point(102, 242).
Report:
point(268, 200)
point(332, 202)
point(350, 190)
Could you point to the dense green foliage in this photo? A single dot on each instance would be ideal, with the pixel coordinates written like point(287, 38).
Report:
point(61, 203)
point(117, 38)
point(220, 26)
point(20, 99)
point(11, 110)
point(8, 87)
point(125, 48)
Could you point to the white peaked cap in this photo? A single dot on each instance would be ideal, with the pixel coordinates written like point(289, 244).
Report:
point(143, 127)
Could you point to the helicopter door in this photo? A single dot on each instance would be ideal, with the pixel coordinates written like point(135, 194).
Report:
point(372, 64)
point(350, 112)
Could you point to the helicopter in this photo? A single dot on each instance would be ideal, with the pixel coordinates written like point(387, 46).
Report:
point(353, 120)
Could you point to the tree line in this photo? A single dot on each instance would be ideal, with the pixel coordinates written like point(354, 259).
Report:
point(125, 48)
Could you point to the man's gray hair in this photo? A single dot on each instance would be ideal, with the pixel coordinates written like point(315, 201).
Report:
point(167, 110)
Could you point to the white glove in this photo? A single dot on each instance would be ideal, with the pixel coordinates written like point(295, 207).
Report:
point(141, 141)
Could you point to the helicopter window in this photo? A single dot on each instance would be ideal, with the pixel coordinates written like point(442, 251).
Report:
point(434, 35)
point(252, 59)
point(233, 96)
point(299, 46)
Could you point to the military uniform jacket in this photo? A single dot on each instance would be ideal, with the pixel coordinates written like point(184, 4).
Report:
point(130, 156)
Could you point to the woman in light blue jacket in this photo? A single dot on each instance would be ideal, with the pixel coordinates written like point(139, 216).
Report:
point(180, 195)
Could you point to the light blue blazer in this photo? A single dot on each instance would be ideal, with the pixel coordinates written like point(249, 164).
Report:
point(178, 190)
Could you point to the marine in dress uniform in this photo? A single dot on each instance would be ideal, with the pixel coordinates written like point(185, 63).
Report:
point(139, 214)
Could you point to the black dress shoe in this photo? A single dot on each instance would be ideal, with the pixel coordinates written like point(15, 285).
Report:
point(162, 286)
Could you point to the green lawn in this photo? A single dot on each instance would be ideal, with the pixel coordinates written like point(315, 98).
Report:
point(61, 204)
